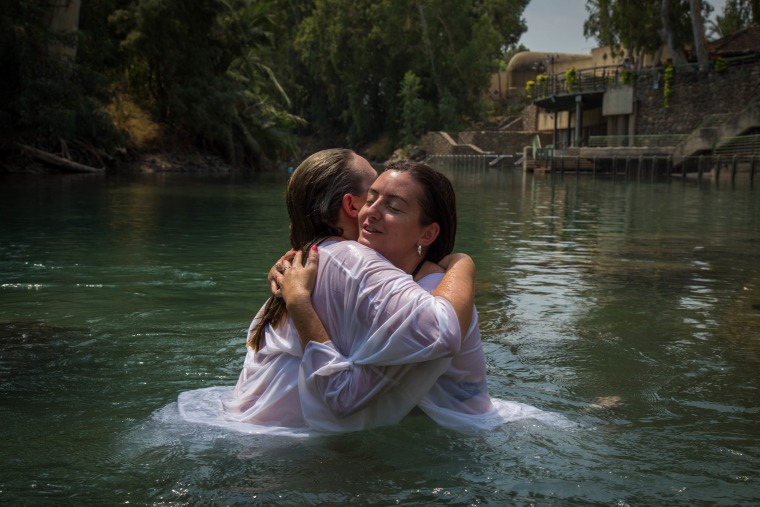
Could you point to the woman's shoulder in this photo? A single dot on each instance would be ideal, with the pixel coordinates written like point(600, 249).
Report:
point(345, 260)
point(351, 253)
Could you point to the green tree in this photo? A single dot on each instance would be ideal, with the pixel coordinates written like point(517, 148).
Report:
point(47, 94)
point(737, 14)
point(206, 70)
point(641, 27)
point(359, 53)
point(610, 23)
point(414, 111)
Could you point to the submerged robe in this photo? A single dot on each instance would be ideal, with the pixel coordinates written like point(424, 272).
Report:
point(345, 391)
point(266, 392)
point(402, 328)
point(399, 342)
point(360, 380)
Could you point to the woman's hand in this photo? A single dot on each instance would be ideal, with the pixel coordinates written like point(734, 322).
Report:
point(296, 285)
point(297, 281)
point(279, 268)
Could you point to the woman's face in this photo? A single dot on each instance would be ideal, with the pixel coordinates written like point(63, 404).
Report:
point(389, 222)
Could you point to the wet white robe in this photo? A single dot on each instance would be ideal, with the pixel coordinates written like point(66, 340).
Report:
point(391, 350)
point(396, 324)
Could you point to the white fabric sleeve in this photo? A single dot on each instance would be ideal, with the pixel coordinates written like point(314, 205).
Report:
point(389, 337)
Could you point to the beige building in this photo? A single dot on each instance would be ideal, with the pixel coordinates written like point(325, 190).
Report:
point(599, 101)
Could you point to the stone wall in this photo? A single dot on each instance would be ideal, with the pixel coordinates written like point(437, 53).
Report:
point(696, 95)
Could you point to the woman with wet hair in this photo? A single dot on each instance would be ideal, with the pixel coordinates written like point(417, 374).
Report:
point(324, 196)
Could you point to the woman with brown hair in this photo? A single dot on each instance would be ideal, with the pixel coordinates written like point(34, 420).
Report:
point(324, 196)
point(350, 380)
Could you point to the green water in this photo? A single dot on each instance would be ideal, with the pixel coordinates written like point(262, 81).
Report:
point(117, 294)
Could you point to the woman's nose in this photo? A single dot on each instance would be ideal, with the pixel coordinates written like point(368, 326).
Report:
point(372, 211)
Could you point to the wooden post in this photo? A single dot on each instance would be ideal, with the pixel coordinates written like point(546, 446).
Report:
point(700, 171)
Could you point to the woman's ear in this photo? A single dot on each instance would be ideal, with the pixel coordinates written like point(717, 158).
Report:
point(350, 205)
point(430, 234)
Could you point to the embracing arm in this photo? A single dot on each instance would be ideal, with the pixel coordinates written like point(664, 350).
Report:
point(296, 286)
point(358, 385)
point(458, 287)
point(404, 328)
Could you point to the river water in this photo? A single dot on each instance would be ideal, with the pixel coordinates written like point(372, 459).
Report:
point(630, 307)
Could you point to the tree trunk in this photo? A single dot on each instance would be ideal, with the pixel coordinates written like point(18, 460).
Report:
point(64, 21)
point(60, 162)
point(754, 6)
point(668, 36)
point(698, 27)
point(429, 48)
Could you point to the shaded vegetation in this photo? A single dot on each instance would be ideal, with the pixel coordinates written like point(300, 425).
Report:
point(250, 80)
point(244, 79)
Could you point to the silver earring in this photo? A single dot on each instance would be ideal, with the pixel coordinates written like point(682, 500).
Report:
point(419, 249)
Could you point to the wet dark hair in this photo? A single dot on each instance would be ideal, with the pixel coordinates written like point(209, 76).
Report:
point(438, 203)
point(313, 198)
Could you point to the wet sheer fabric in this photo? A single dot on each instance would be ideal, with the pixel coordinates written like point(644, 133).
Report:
point(337, 395)
point(406, 337)
point(265, 399)
point(267, 388)
point(393, 347)
point(390, 342)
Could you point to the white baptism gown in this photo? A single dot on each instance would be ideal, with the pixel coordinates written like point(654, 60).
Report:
point(391, 350)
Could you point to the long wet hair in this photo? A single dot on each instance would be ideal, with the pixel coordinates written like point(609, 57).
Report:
point(438, 203)
point(313, 198)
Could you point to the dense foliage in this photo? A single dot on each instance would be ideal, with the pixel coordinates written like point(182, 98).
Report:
point(657, 23)
point(44, 95)
point(243, 78)
point(361, 52)
point(737, 14)
point(205, 69)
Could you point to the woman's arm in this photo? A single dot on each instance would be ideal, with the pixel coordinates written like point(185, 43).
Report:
point(296, 285)
point(359, 385)
point(349, 389)
point(458, 287)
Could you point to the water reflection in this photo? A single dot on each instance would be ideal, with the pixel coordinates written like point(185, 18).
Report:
point(629, 307)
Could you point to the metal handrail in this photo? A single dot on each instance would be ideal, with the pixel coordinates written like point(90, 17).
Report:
point(740, 145)
point(635, 141)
